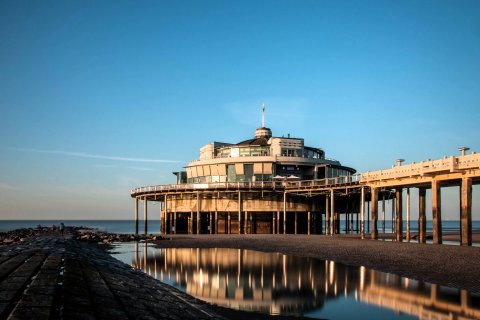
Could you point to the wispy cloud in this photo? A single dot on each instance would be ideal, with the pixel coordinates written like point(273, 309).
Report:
point(6, 186)
point(123, 167)
point(94, 156)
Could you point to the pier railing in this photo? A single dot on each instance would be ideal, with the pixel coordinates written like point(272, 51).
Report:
point(424, 168)
point(278, 184)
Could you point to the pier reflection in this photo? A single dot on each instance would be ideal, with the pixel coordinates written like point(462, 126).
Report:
point(278, 284)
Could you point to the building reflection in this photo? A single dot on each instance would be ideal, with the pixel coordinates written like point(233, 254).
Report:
point(278, 284)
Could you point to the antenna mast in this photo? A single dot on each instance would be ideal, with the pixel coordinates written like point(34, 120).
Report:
point(263, 114)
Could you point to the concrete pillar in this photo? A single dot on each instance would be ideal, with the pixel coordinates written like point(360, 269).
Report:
point(145, 215)
point(163, 221)
point(408, 214)
point(199, 219)
point(351, 219)
point(169, 222)
point(278, 222)
point(136, 215)
point(245, 224)
point(436, 212)
point(252, 223)
point(368, 216)
point(175, 221)
point(210, 220)
point(332, 212)
point(239, 212)
point(308, 224)
point(284, 212)
point(399, 218)
point(160, 214)
point(191, 222)
point(362, 213)
point(327, 215)
point(274, 223)
point(393, 216)
point(296, 222)
point(374, 192)
point(422, 219)
point(383, 213)
point(466, 212)
point(229, 223)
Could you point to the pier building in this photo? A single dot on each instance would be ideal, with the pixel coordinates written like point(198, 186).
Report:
point(239, 188)
point(279, 185)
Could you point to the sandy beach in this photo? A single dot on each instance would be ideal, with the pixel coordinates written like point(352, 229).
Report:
point(447, 265)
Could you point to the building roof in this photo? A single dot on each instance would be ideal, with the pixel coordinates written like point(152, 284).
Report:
point(254, 142)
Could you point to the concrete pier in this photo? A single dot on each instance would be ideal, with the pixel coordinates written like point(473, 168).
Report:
point(466, 212)
point(374, 194)
point(304, 202)
point(399, 215)
point(422, 219)
point(436, 212)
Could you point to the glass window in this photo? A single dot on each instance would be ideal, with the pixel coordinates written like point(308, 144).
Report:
point(248, 170)
point(231, 176)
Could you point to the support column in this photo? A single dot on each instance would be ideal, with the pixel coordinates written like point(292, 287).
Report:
point(296, 222)
point(308, 224)
point(160, 215)
point(216, 222)
point(136, 215)
point(163, 221)
point(332, 212)
point(436, 212)
point(327, 215)
point(245, 224)
point(362, 213)
point(374, 200)
point(383, 213)
point(145, 215)
point(175, 221)
point(393, 216)
point(422, 220)
point(274, 223)
point(239, 212)
point(399, 220)
point(278, 222)
point(229, 223)
point(466, 212)
point(169, 223)
point(368, 216)
point(199, 220)
point(284, 212)
point(210, 220)
point(351, 218)
point(408, 214)
point(190, 224)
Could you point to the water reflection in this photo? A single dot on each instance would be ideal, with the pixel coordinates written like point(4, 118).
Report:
point(278, 284)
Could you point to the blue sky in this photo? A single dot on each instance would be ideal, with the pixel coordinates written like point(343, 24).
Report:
point(98, 97)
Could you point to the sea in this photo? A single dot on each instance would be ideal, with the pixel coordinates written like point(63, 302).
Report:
point(128, 226)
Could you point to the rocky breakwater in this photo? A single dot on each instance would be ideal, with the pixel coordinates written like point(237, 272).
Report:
point(20, 235)
point(98, 236)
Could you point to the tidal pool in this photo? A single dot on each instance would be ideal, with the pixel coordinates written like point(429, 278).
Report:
point(275, 283)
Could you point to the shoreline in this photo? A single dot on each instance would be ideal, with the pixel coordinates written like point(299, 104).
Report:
point(446, 265)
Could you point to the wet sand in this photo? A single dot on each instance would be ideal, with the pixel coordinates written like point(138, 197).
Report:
point(447, 265)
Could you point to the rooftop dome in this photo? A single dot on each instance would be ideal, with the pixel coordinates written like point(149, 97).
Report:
point(263, 133)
